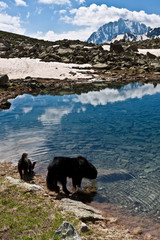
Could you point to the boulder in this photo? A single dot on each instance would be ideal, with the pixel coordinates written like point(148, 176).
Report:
point(84, 228)
point(116, 47)
point(4, 47)
point(4, 80)
point(156, 66)
point(67, 231)
point(133, 48)
point(151, 56)
point(65, 51)
point(81, 210)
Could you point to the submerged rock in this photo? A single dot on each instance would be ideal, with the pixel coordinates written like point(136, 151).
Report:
point(113, 175)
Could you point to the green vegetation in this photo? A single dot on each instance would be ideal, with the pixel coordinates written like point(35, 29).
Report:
point(28, 215)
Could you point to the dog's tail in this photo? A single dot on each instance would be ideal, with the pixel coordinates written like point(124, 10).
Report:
point(51, 182)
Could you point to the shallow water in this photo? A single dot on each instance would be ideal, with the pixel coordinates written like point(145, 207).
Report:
point(118, 130)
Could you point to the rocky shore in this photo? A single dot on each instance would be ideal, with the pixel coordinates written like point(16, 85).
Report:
point(92, 223)
point(111, 66)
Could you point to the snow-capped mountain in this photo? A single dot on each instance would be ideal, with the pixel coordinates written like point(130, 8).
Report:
point(112, 29)
point(130, 37)
point(153, 33)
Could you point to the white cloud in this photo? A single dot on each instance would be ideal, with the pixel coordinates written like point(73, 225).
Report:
point(54, 115)
point(3, 6)
point(80, 1)
point(28, 15)
point(27, 109)
point(81, 34)
point(63, 11)
point(11, 24)
point(20, 3)
point(113, 95)
point(96, 16)
point(38, 10)
point(57, 2)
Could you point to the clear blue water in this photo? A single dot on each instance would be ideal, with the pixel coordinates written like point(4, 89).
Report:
point(118, 130)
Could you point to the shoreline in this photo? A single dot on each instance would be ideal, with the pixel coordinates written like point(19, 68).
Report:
point(123, 222)
point(22, 78)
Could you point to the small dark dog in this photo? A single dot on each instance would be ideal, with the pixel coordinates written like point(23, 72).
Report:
point(62, 167)
point(25, 164)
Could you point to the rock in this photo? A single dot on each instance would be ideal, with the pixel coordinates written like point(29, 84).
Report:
point(30, 187)
point(67, 231)
point(65, 51)
point(137, 231)
point(81, 210)
point(156, 66)
point(4, 80)
point(101, 66)
point(113, 175)
point(116, 47)
point(151, 56)
point(80, 59)
point(133, 48)
point(84, 228)
point(148, 236)
point(3, 47)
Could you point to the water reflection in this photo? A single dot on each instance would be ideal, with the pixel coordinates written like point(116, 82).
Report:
point(116, 129)
point(114, 95)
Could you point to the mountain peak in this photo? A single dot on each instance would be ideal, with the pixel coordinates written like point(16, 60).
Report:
point(108, 31)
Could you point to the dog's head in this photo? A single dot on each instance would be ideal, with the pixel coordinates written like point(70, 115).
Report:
point(24, 156)
point(89, 171)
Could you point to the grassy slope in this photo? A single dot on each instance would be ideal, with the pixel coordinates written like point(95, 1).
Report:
point(27, 215)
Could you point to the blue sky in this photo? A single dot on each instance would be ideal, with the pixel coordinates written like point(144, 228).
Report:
point(72, 19)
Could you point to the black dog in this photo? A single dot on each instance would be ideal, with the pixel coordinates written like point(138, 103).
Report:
point(62, 167)
point(25, 164)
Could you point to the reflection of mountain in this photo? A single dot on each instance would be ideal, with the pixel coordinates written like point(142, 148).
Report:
point(115, 95)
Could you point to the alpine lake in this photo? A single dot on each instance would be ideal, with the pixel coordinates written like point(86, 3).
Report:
point(118, 130)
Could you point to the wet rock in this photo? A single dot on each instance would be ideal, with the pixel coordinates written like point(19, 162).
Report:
point(67, 231)
point(81, 210)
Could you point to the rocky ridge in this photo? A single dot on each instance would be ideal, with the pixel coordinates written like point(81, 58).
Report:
point(117, 66)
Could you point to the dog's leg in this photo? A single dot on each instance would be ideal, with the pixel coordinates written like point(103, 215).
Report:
point(63, 181)
point(20, 171)
point(51, 182)
point(76, 182)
